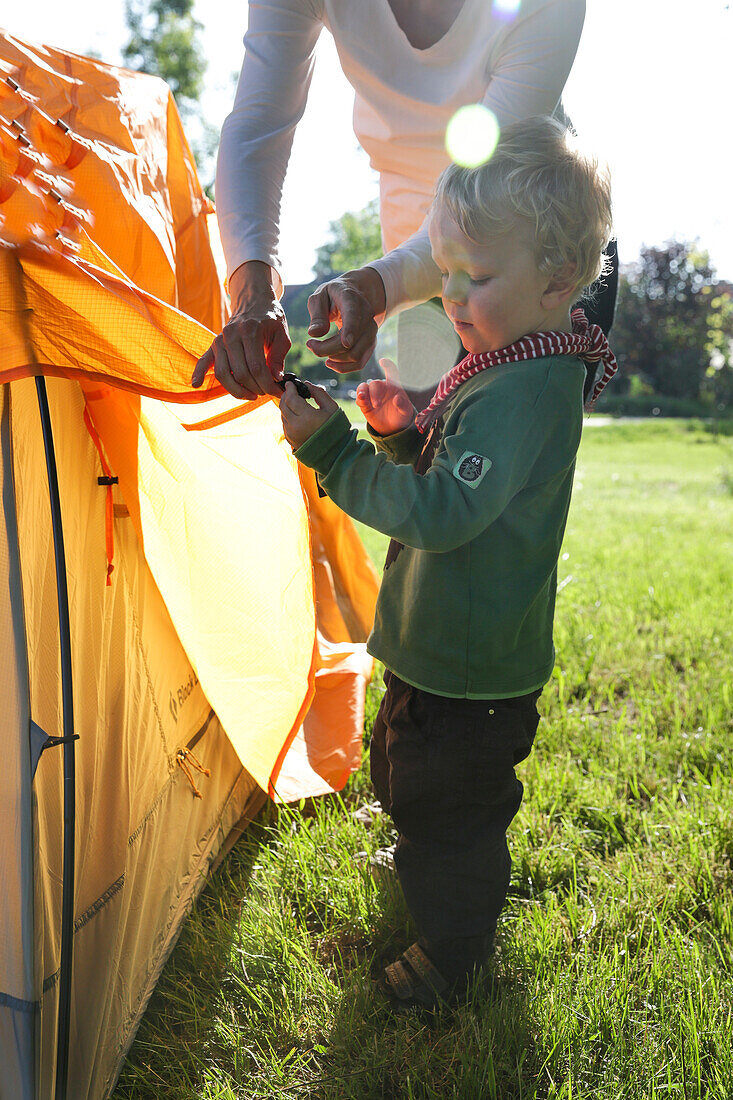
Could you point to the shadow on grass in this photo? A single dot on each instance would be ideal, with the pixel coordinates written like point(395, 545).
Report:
point(483, 1048)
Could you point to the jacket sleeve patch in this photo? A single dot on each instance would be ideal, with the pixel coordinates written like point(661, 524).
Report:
point(471, 468)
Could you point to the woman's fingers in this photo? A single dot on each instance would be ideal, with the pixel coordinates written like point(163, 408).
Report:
point(202, 366)
point(320, 310)
point(224, 375)
point(276, 350)
point(230, 343)
point(364, 346)
point(343, 359)
point(247, 355)
point(350, 348)
point(251, 337)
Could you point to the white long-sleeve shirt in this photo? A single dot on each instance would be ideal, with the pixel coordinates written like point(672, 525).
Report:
point(515, 65)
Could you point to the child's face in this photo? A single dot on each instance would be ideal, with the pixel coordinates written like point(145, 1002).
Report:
point(493, 292)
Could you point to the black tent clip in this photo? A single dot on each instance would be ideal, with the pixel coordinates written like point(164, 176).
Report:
point(108, 480)
point(52, 742)
point(300, 386)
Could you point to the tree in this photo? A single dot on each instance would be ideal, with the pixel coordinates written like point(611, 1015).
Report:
point(671, 321)
point(164, 42)
point(718, 383)
point(355, 240)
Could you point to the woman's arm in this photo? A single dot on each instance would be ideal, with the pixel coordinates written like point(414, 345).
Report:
point(257, 136)
point(255, 148)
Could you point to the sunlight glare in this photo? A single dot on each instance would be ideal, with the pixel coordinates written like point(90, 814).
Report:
point(471, 135)
point(506, 9)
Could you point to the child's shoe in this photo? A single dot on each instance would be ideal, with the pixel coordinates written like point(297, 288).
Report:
point(413, 982)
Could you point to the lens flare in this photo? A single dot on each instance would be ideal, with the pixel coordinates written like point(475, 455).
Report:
point(506, 9)
point(471, 135)
point(426, 346)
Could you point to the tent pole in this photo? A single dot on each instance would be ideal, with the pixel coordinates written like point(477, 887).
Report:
point(67, 905)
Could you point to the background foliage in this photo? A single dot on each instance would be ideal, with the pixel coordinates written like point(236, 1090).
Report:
point(164, 41)
point(354, 239)
point(674, 327)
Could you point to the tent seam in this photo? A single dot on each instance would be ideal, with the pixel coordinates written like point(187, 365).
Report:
point(80, 922)
point(100, 903)
point(148, 678)
point(161, 795)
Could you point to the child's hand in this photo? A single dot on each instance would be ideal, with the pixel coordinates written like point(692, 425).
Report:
point(385, 405)
point(301, 420)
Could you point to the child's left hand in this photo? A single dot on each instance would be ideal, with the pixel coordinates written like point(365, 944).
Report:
point(301, 420)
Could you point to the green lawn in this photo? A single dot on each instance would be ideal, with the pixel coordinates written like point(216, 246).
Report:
point(614, 973)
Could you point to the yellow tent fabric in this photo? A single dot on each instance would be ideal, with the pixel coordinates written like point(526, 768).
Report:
point(145, 840)
point(120, 292)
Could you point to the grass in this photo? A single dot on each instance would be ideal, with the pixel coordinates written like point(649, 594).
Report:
point(614, 974)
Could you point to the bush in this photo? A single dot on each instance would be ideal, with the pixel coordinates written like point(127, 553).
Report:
point(654, 404)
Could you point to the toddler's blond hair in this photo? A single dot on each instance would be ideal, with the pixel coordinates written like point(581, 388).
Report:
point(539, 176)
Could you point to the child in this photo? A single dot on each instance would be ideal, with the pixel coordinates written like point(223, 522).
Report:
point(474, 492)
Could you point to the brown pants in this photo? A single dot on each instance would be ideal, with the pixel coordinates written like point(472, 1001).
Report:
point(444, 770)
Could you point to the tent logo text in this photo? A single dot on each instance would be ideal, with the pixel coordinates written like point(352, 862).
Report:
point(178, 698)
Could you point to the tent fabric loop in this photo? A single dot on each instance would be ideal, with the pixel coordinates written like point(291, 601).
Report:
point(190, 758)
point(187, 772)
point(37, 739)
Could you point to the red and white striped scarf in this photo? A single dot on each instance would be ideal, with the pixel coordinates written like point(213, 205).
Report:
point(586, 341)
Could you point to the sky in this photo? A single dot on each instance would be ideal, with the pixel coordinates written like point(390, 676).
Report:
point(651, 91)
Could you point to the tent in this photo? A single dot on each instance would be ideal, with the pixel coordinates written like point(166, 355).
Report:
point(182, 633)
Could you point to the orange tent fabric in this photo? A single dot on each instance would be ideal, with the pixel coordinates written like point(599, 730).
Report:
point(107, 279)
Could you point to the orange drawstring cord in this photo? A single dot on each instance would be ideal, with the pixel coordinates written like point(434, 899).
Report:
point(183, 758)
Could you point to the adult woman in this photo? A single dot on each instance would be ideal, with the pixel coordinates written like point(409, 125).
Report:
point(412, 64)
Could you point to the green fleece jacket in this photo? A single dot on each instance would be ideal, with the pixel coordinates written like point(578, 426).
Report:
point(466, 603)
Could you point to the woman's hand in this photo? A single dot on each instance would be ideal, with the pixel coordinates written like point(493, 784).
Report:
point(301, 420)
point(249, 353)
point(353, 301)
point(385, 405)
